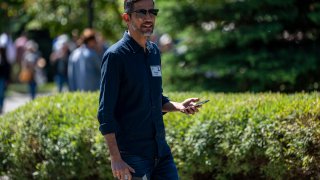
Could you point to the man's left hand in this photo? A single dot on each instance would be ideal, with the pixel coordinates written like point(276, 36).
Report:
point(188, 106)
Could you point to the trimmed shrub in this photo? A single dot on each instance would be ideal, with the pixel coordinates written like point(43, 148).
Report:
point(235, 136)
point(248, 136)
point(54, 137)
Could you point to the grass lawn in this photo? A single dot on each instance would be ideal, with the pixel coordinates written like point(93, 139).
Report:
point(23, 88)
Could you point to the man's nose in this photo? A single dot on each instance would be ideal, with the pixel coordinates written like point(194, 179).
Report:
point(149, 15)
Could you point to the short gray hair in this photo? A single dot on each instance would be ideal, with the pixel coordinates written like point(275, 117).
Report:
point(128, 5)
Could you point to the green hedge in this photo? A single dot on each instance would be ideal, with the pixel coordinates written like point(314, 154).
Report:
point(54, 137)
point(235, 136)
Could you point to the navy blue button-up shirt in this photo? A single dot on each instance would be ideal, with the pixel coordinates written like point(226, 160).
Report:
point(131, 98)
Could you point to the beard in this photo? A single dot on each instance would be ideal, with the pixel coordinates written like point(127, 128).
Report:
point(145, 29)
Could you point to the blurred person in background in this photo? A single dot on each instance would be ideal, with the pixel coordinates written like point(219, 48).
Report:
point(102, 45)
point(32, 67)
point(84, 64)
point(59, 59)
point(165, 43)
point(75, 40)
point(20, 44)
point(5, 69)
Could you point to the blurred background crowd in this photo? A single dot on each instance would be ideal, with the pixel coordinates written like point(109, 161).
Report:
point(73, 64)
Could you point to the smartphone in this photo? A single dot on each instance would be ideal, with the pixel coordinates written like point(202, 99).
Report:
point(201, 102)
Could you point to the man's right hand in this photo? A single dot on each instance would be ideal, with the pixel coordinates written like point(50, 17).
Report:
point(121, 169)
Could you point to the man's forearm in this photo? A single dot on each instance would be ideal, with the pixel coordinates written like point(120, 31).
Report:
point(172, 106)
point(112, 145)
point(187, 106)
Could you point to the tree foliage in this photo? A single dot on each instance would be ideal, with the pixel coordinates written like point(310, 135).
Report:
point(247, 45)
point(61, 16)
point(13, 15)
point(223, 45)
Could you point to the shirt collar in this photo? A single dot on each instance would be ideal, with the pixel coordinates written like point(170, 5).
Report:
point(134, 46)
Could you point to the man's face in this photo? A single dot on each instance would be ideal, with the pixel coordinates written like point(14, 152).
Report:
point(92, 44)
point(142, 18)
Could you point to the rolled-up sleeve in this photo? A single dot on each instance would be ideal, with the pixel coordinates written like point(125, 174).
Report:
point(165, 100)
point(109, 89)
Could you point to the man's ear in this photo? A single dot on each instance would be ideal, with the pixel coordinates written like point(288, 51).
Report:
point(125, 17)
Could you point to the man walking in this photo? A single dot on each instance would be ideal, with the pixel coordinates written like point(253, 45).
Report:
point(131, 101)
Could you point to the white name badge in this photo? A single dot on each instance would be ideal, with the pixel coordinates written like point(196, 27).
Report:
point(156, 71)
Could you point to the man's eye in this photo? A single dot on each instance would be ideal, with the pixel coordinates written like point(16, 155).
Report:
point(142, 11)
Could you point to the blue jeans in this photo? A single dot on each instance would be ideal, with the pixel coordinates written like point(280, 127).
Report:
point(33, 89)
point(153, 169)
point(60, 81)
point(2, 92)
